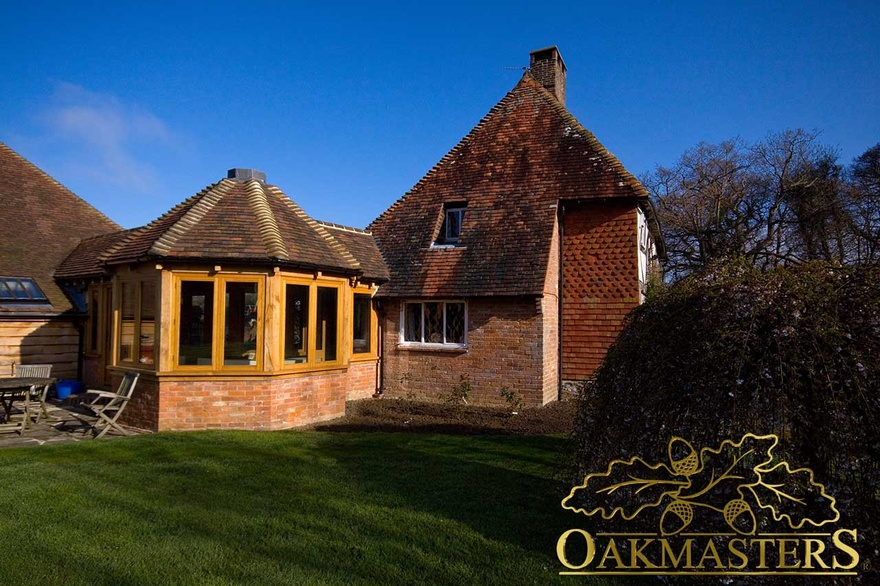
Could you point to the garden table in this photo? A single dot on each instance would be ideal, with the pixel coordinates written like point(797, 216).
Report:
point(14, 389)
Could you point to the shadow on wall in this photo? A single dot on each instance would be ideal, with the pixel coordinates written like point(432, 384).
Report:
point(31, 342)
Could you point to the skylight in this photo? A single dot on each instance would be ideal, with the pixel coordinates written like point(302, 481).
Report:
point(20, 290)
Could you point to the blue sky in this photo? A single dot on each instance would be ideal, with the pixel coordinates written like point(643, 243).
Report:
point(346, 106)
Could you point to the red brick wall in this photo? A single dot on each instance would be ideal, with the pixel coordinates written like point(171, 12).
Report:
point(505, 349)
point(600, 281)
point(262, 403)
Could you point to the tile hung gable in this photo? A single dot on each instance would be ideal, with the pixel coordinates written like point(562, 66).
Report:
point(512, 169)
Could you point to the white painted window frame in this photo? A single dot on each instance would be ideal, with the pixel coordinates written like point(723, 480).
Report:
point(403, 342)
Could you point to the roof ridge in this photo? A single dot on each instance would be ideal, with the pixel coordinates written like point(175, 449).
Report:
point(209, 198)
point(92, 209)
point(266, 222)
point(317, 227)
point(344, 228)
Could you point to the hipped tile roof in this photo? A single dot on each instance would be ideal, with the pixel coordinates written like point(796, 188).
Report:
point(233, 221)
point(41, 222)
point(525, 156)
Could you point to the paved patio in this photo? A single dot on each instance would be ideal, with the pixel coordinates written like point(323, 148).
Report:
point(67, 423)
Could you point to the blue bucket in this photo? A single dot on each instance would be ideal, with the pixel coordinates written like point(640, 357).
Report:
point(64, 388)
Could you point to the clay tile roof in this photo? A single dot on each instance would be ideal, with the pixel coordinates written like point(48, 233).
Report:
point(512, 169)
point(41, 222)
point(233, 221)
point(362, 246)
point(85, 260)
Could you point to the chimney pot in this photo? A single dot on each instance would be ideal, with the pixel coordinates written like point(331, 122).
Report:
point(245, 174)
point(549, 70)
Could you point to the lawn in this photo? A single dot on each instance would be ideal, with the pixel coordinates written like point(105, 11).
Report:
point(284, 508)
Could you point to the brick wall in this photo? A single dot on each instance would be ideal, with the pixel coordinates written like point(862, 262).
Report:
point(600, 281)
point(268, 403)
point(505, 349)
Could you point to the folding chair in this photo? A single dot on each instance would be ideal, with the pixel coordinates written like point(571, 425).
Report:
point(109, 406)
point(38, 392)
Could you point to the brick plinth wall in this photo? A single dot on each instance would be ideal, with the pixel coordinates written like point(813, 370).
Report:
point(600, 281)
point(506, 348)
point(266, 403)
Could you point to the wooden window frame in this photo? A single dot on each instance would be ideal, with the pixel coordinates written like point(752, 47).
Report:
point(374, 326)
point(311, 363)
point(218, 324)
point(135, 363)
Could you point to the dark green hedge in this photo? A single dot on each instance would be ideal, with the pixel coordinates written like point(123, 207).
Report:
point(794, 352)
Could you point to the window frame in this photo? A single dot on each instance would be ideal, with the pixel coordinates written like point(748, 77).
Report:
point(404, 343)
point(373, 352)
point(136, 283)
point(218, 338)
point(443, 238)
point(312, 363)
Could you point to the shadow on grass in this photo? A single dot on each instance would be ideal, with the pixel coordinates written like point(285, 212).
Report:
point(288, 507)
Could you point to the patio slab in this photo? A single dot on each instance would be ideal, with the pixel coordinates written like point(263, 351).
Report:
point(66, 423)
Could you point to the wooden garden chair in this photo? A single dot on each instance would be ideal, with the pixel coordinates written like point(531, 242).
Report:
point(38, 392)
point(109, 406)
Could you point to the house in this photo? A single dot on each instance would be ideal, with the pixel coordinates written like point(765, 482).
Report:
point(515, 259)
point(237, 308)
point(41, 223)
point(503, 273)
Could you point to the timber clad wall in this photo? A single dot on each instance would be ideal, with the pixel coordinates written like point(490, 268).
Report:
point(39, 342)
point(505, 349)
point(600, 282)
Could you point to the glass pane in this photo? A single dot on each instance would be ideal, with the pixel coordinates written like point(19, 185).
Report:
point(296, 324)
point(453, 224)
point(240, 339)
point(434, 323)
point(126, 325)
point(196, 323)
point(32, 290)
point(362, 323)
point(455, 323)
point(147, 347)
point(325, 345)
point(413, 330)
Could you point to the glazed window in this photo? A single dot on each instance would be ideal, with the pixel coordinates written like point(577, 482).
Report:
point(450, 229)
point(240, 331)
point(362, 320)
point(196, 335)
point(220, 323)
point(137, 322)
point(435, 322)
point(312, 321)
point(296, 325)
point(20, 290)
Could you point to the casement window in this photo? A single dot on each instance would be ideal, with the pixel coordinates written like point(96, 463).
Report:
point(441, 323)
point(220, 322)
point(312, 323)
point(362, 324)
point(450, 228)
point(136, 336)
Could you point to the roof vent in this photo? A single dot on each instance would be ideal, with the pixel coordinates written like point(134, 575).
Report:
point(245, 174)
point(548, 69)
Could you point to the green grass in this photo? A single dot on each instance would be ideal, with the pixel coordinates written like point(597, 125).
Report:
point(283, 508)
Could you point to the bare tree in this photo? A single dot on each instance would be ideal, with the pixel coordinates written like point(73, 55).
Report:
point(863, 202)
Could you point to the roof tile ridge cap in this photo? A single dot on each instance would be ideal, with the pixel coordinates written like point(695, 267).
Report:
point(91, 209)
point(207, 199)
point(317, 227)
point(266, 222)
point(454, 151)
point(344, 228)
point(591, 139)
point(122, 242)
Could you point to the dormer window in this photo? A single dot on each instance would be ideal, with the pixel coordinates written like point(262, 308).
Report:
point(453, 218)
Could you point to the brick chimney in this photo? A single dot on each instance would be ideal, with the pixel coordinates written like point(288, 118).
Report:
point(548, 69)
